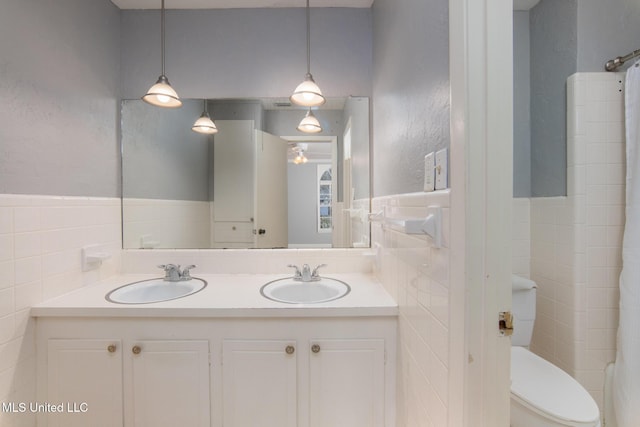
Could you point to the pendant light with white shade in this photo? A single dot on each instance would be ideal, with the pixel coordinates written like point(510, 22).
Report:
point(308, 93)
point(204, 124)
point(161, 94)
point(309, 124)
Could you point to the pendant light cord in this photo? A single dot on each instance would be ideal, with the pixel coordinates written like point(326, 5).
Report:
point(162, 35)
point(308, 39)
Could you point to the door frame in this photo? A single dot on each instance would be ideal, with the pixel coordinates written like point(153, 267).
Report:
point(481, 79)
point(333, 140)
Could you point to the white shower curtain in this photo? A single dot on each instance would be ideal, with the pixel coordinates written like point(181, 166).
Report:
point(626, 386)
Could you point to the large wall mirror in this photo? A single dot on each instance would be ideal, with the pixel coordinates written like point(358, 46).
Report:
point(257, 183)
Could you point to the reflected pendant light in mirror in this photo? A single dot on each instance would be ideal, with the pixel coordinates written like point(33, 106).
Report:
point(309, 124)
point(308, 93)
point(161, 94)
point(204, 124)
point(300, 158)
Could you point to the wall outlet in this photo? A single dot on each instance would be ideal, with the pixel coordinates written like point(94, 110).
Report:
point(429, 171)
point(441, 169)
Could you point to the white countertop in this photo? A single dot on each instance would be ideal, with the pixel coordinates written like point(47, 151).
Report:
point(226, 295)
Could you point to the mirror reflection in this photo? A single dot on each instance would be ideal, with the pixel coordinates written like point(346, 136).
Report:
point(257, 183)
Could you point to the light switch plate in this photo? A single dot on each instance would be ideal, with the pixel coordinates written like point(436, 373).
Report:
point(429, 171)
point(441, 169)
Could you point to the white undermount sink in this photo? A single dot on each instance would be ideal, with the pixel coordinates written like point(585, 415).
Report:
point(298, 292)
point(155, 290)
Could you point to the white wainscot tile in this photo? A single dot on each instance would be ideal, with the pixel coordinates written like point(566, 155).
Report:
point(7, 328)
point(7, 304)
point(6, 247)
point(27, 270)
point(28, 245)
point(6, 220)
point(26, 219)
point(28, 294)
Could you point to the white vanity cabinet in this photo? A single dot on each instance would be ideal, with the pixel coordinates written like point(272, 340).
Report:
point(123, 381)
point(347, 382)
point(305, 382)
point(169, 384)
point(86, 374)
point(259, 380)
point(218, 371)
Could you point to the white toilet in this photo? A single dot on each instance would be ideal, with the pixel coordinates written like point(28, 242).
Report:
point(542, 395)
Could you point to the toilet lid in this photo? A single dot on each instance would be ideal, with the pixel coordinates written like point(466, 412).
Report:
point(549, 389)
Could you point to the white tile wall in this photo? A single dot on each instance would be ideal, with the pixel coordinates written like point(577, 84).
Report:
point(577, 240)
point(40, 242)
point(163, 221)
point(248, 261)
point(417, 275)
point(521, 234)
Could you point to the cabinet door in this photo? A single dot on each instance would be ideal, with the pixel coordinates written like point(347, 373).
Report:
point(346, 383)
point(85, 376)
point(170, 384)
point(259, 383)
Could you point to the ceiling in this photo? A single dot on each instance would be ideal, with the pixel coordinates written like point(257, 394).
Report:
point(236, 4)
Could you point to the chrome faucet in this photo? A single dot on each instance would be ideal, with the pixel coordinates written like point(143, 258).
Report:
point(172, 272)
point(306, 274)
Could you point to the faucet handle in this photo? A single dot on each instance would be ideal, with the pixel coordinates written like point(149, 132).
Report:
point(186, 275)
point(314, 274)
point(298, 274)
point(168, 267)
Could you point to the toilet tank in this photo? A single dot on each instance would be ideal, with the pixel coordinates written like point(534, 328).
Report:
point(523, 308)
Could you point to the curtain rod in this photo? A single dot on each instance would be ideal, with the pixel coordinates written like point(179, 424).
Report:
point(612, 64)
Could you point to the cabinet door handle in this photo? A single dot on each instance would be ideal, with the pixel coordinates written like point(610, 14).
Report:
point(136, 349)
point(290, 349)
point(111, 348)
point(315, 348)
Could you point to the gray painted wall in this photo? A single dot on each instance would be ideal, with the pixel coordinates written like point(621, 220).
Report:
point(239, 53)
point(237, 109)
point(162, 157)
point(303, 205)
point(553, 25)
point(606, 29)
point(521, 106)
point(59, 84)
point(410, 90)
point(567, 36)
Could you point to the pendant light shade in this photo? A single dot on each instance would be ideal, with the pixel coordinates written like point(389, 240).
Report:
point(161, 94)
point(204, 124)
point(308, 94)
point(309, 124)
